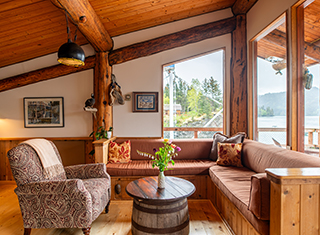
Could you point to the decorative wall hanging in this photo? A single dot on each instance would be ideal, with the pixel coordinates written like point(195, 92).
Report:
point(43, 112)
point(88, 105)
point(278, 64)
point(115, 92)
point(307, 79)
point(145, 102)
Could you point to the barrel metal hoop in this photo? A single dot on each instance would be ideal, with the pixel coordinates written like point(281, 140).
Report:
point(160, 211)
point(161, 230)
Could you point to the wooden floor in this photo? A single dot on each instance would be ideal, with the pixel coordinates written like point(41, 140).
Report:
point(204, 218)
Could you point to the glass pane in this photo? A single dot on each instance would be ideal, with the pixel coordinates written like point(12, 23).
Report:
point(271, 87)
point(193, 96)
point(311, 79)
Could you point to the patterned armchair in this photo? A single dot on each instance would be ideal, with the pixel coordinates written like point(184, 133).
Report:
point(70, 200)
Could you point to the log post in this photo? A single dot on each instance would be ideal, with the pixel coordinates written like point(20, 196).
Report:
point(102, 81)
point(238, 77)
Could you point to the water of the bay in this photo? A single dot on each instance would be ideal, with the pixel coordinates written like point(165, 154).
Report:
point(280, 122)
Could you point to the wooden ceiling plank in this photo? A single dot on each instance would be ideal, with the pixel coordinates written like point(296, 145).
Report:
point(35, 37)
point(140, 6)
point(131, 24)
point(43, 74)
point(48, 18)
point(13, 5)
point(35, 43)
point(174, 40)
point(92, 28)
point(242, 6)
point(162, 9)
point(28, 11)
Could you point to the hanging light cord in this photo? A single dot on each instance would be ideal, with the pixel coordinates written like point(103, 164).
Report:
point(68, 29)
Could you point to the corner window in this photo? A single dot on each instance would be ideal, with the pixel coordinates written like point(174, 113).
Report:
point(193, 97)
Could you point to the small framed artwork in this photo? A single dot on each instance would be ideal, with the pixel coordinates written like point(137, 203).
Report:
point(145, 102)
point(43, 112)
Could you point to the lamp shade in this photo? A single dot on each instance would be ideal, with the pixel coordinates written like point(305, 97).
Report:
point(71, 54)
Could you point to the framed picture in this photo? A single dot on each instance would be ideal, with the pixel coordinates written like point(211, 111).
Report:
point(43, 112)
point(145, 102)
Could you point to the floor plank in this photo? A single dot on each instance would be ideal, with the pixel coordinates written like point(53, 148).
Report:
point(204, 218)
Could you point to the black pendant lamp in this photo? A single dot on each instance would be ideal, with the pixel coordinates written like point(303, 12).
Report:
point(70, 53)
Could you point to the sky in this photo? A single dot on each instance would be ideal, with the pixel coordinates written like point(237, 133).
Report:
point(202, 67)
point(269, 82)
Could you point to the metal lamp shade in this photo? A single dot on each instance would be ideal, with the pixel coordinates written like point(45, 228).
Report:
point(71, 54)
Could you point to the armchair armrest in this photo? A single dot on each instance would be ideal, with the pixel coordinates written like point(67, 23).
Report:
point(87, 171)
point(69, 186)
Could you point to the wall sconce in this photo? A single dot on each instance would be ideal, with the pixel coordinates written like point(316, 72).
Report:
point(70, 53)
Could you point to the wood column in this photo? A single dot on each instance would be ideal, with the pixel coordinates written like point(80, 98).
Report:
point(238, 78)
point(102, 81)
point(294, 200)
point(295, 96)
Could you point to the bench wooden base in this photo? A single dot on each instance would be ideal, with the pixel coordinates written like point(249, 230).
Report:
point(229, 213)
point(119, 183)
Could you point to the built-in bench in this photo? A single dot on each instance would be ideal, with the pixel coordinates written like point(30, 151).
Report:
point(241, 194)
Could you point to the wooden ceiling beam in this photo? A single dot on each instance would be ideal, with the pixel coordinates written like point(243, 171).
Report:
point(43, 74)
point(171, 41)
point(242, 6)
point(278, 37)
point(88, 22)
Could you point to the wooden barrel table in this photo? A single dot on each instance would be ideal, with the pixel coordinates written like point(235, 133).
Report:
point(160, 211)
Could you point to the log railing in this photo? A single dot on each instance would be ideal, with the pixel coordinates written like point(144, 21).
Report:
point(194, 129)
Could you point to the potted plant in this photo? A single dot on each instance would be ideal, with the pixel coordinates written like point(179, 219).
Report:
point(109, 132)
point(161, 159)
point(101, 133)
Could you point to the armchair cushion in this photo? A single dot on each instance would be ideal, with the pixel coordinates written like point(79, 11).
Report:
point(87, 171)
point(55, 204)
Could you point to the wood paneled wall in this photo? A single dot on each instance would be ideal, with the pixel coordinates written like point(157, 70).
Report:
point(72, 151)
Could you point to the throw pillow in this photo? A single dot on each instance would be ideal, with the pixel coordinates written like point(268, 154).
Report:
point(119, 153)
point(229, 154)
point(220, 138)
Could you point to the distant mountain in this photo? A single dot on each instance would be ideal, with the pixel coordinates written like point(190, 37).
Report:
point(277, 102)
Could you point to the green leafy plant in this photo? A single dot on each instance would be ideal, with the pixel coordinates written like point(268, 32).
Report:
point(163, 155)
point(101, 133)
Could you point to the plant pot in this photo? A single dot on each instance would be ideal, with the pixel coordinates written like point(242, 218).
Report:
point(109, 134)
point(161, 180)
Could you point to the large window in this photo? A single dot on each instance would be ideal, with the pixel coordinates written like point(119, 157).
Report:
point(193, 97)
point(310, 77)
point(271, 86)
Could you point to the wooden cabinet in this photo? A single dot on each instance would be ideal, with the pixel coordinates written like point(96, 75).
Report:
point(294, 201)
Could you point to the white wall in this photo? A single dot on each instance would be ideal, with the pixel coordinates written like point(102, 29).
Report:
point(75, 89)
point(144, 74)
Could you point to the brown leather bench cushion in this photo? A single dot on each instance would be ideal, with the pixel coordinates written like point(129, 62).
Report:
point(235, 183)
point(144, 168)
point(258, 156)
point(190, 149)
